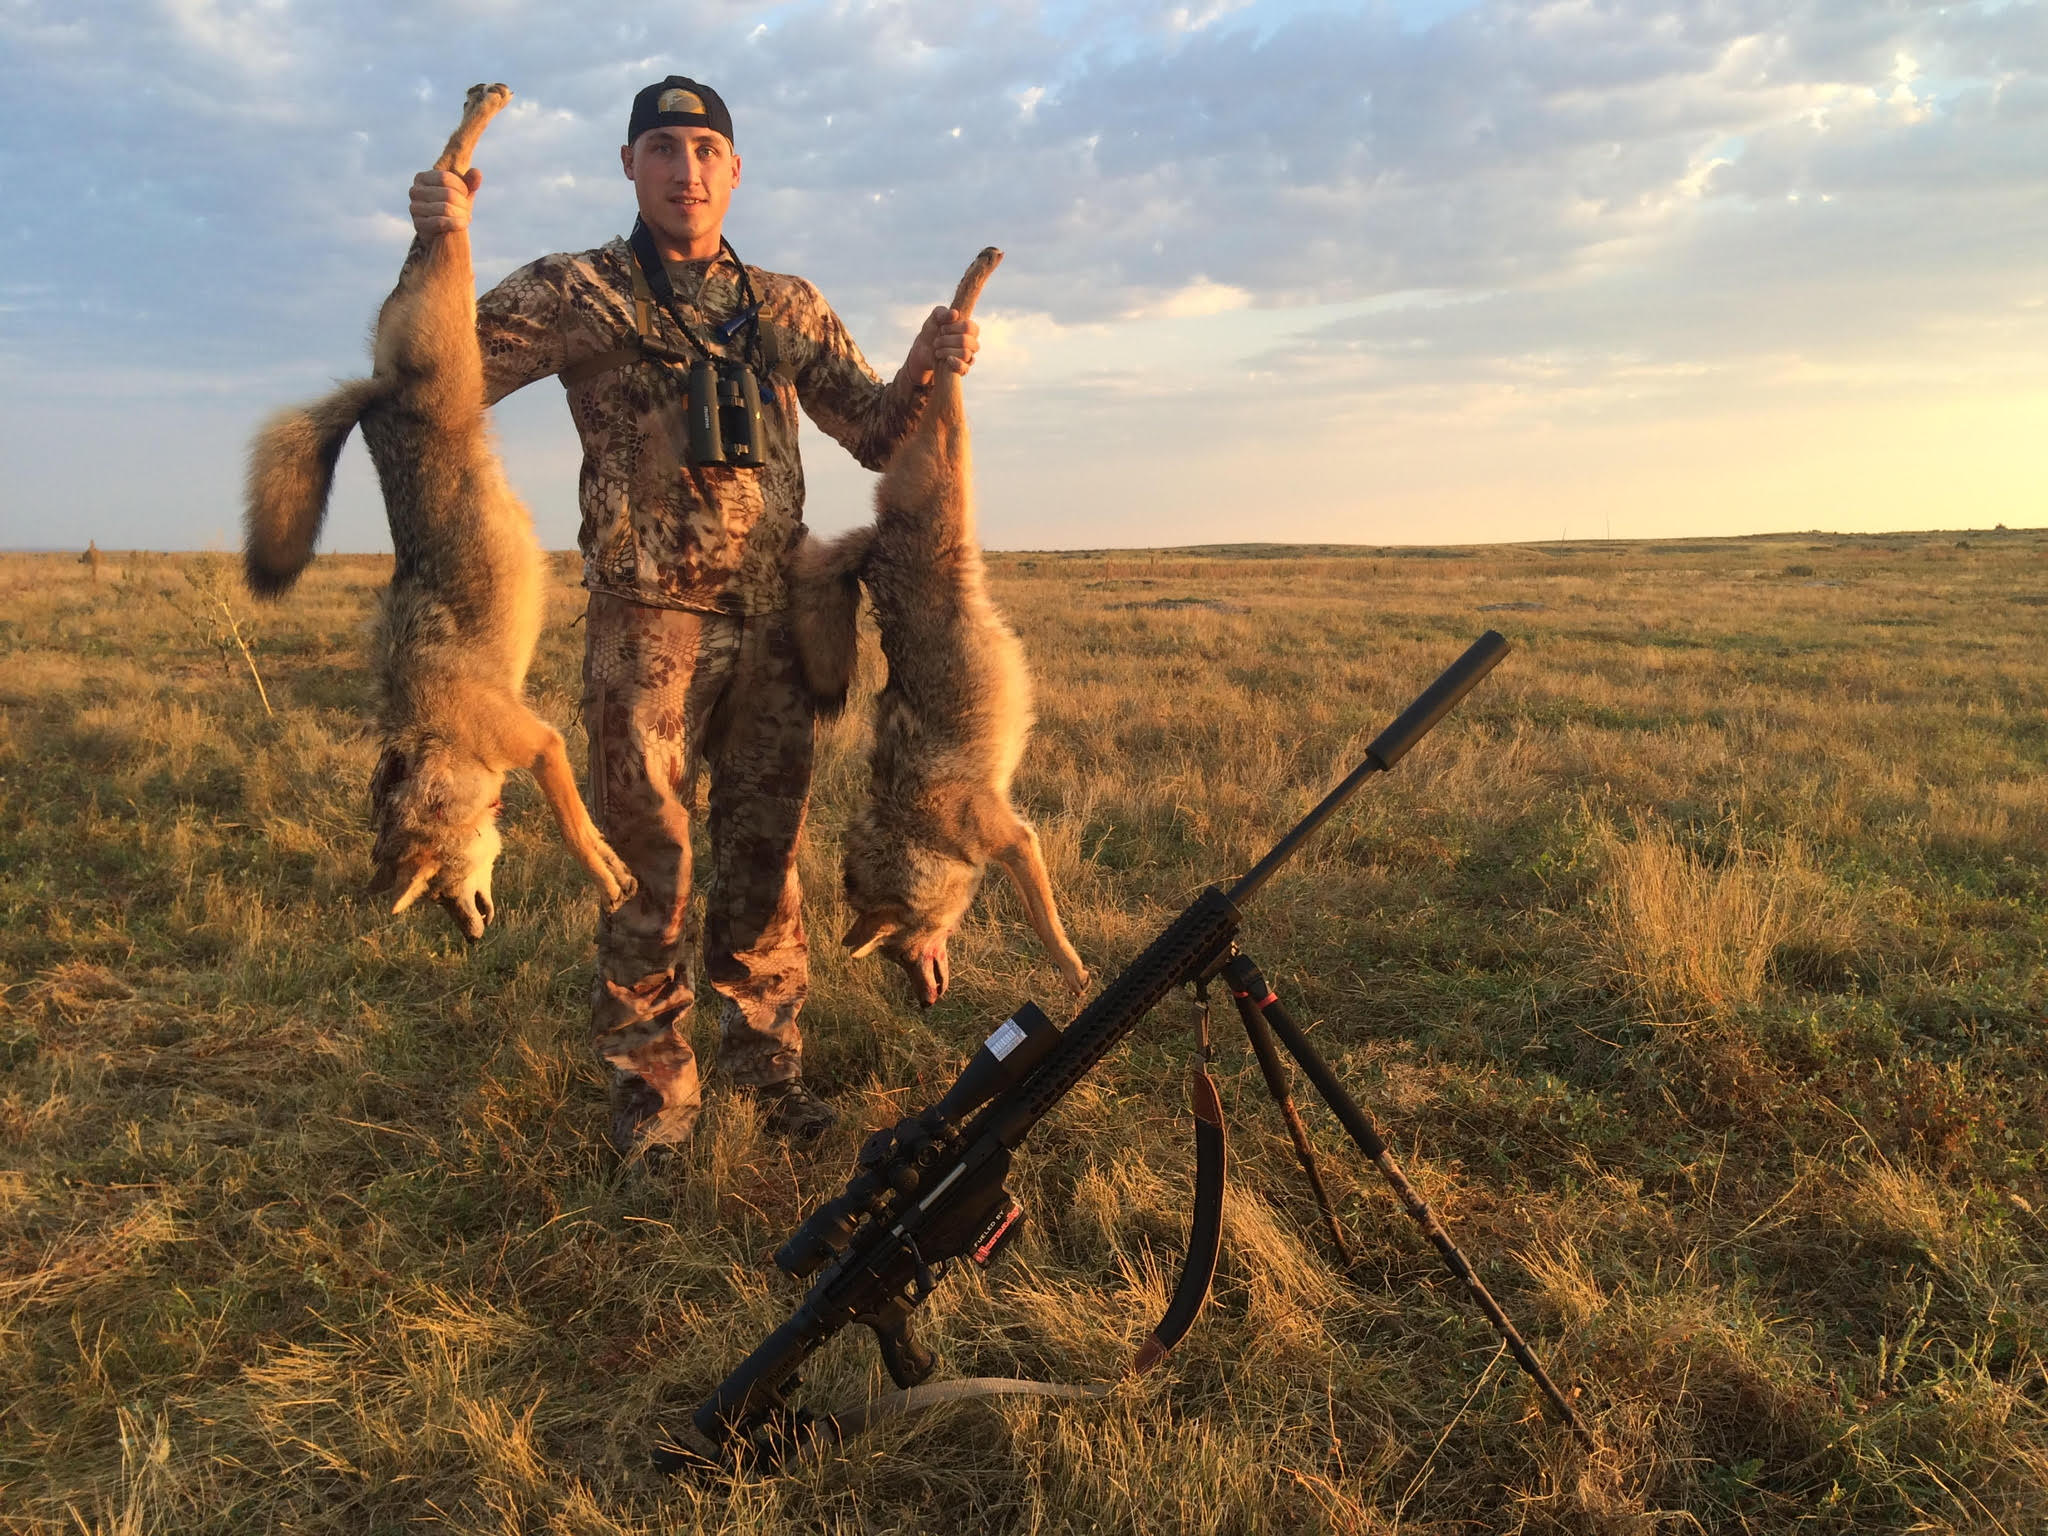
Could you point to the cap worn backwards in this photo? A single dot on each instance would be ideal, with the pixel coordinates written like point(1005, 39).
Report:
point(678, 102)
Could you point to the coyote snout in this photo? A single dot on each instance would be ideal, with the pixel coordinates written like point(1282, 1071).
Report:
point(435, 833)
point(908, 897)
point(457, 626)
point(951, 723)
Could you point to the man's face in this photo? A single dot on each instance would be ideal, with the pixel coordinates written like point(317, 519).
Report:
point(683, 178)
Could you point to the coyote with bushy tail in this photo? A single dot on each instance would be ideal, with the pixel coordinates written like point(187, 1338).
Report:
point(457, 626)
point(951, 722)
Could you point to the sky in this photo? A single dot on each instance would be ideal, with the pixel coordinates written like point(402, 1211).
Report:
point(1407, 272)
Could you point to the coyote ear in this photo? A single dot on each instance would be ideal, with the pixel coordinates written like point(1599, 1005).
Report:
point(391, 771)
point(868, 931)
point(422, 878)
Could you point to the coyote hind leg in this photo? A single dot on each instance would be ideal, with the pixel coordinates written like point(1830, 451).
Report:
point(974, 279)
point(483, 103)
point(426, 332)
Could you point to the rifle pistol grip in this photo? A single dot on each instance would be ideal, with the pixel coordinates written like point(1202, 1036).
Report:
point(907, 1361)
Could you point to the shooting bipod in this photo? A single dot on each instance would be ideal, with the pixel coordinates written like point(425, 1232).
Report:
point(1264, 1017)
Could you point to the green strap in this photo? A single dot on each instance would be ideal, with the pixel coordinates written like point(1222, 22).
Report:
point(602, 362)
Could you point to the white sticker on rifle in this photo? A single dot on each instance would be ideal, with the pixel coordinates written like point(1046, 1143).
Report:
point(1005, 1040)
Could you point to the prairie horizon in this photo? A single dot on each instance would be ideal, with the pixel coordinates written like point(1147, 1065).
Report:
point(1696, 969)
point(1264, 549)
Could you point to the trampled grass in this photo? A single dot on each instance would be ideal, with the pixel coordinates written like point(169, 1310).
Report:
point(1695, 968)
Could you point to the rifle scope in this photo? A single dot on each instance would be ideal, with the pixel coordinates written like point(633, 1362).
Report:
point(891, 1159)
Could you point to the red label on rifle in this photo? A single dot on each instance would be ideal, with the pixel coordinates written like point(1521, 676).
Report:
point(997, 1233)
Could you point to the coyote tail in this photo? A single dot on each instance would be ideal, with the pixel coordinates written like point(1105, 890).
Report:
point(291, 471)
point(826, 610)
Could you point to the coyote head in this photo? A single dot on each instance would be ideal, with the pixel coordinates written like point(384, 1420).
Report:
point(907, 900)
point(434, 819)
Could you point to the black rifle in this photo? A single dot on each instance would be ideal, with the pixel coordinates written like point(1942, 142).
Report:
point(931, 1190)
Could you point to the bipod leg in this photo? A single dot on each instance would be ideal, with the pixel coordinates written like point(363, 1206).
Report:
point(1275, 1073)
point(1250, 988)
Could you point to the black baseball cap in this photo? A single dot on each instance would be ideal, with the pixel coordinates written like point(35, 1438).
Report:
point(678, 102)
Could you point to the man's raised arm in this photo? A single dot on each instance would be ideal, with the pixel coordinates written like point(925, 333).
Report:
point(849, 401)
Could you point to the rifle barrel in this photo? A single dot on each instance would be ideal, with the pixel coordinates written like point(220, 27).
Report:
point(1387, 749)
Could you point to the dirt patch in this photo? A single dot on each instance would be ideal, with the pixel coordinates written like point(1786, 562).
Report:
point(1213, 604)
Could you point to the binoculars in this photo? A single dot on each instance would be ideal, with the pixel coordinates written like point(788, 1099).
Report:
point(724, 415)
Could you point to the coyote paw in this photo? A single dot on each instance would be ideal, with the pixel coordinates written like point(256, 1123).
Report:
point(612, 876)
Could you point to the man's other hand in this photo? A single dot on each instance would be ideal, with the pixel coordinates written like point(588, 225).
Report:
point(945, 341)
point(440, 200)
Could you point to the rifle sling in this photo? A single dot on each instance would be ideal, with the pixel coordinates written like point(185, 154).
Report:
point(1205, 1232)
point(836, 1428)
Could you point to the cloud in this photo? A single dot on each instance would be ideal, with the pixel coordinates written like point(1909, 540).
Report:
point(252, 40)
point(1194, 299)
point(1545, 209)
point(1301, 157)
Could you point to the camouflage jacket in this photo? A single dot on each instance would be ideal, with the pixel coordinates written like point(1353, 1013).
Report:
point(656, 530)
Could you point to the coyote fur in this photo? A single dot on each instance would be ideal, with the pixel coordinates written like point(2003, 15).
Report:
point(457, 626)
point(951, 722)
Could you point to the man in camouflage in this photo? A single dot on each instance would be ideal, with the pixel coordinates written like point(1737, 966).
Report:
point(689, 659)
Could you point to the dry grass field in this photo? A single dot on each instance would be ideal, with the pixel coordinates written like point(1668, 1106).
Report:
point(1695, 968)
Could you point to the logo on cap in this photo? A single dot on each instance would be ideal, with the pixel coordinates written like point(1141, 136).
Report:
point(680, 101)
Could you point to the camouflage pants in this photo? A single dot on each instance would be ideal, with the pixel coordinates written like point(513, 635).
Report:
point(664, 693)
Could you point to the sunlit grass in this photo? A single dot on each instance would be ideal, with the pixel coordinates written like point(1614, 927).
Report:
point(1695, 968)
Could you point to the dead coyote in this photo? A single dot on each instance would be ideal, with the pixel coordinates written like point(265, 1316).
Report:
point(457, 626)
point(951, 722)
